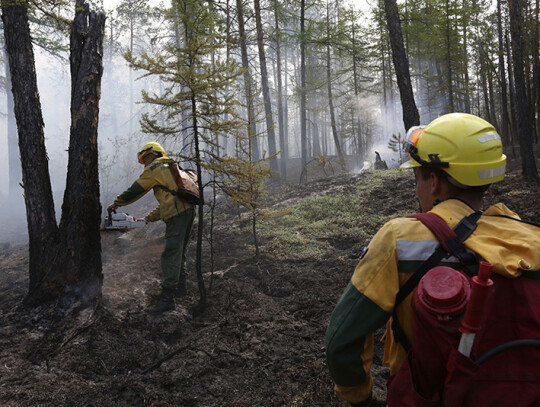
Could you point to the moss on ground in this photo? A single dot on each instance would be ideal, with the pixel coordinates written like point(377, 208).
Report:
point(311, 228)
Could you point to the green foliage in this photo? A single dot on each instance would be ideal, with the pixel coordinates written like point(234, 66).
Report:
point(306, 229)
point(198, 81)
point(395, 143)
point(243, 180)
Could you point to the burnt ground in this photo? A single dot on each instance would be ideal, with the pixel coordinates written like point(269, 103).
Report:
point(259, 343)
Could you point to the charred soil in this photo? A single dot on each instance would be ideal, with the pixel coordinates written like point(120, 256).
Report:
point(260, 341)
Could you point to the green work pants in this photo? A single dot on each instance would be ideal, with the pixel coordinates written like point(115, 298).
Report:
point(173, 258)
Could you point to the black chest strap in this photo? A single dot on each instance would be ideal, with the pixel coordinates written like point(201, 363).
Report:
point(451, 242)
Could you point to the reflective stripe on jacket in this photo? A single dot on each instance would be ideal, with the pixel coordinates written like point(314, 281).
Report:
point(396, 251)
point(157, 173)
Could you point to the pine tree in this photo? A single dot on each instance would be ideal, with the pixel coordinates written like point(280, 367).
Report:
point(197, 80)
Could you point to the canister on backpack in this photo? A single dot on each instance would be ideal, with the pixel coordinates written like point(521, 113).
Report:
point(438, 304)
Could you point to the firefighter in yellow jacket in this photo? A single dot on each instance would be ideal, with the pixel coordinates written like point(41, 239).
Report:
point(455, 159)
point(177, 214)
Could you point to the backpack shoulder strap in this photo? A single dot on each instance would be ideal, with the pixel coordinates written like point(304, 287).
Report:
point(451, 242)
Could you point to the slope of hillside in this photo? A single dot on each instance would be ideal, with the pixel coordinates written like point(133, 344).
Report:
point(261, 340)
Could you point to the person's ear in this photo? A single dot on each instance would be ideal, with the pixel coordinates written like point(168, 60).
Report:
point(435, 183)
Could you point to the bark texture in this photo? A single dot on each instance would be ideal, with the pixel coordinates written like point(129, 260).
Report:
point(248, 85)
point(81, 208)
point(39, 203)
point(524, 120)
point(65, 259)
point(303, 130)
point(281, 119)
point(266, 91)
point(401, 65)
point(14, 163)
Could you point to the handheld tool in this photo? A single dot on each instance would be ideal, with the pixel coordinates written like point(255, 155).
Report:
point(116, 221)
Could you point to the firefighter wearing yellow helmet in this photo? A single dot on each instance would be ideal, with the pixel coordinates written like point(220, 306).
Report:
point(455, 158)
point(177, 214)
point(151, 148)
point(464, 146)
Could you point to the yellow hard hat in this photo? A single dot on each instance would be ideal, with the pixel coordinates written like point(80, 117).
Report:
point(148, 147)
point(464, 146)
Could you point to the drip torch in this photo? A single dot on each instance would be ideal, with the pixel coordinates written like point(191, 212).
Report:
point(472, 322)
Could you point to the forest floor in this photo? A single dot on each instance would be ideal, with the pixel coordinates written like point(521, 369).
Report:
point(260, 341)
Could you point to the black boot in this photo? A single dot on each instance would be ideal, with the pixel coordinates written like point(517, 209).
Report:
point(165, 302)
point(181, 289)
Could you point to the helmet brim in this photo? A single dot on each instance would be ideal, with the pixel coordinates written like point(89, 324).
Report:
point(410, 164)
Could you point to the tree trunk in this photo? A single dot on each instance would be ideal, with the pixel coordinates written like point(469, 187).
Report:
point(131, 34)
point(525, 127)
point(536, 71)
point(40, 213)
point(303, 134)
point(14, 163)
point(315, 136)
point(401, 65)
point(483, 82)
point(65, 260)
point(248, 85)
point(467, 98)
point(504, 129)
point(449, 67)
point(491, 98)
point(80, 242)
point(384, 75)
point(266, 92)
point(286, 104)
point(281, 124)
point(356, 116)
point(512, 91)
point(200, 224)
point(330, 95)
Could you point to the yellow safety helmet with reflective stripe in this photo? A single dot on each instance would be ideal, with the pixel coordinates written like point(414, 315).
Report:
point(149, 147)
point(464, 146)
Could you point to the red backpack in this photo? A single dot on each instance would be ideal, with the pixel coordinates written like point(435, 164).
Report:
point(503, 368)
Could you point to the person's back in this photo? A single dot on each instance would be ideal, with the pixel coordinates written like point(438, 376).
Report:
point(455, 159)
point(434, 370)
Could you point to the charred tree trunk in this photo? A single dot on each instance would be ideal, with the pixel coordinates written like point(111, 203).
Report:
point(80, 243)
point(401, 65)
point(65, 260)
point(266, 92)
point(14, 163)
point(524, 119)
point(42, 228)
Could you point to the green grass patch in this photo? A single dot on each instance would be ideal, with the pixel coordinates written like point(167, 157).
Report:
point(305, 230)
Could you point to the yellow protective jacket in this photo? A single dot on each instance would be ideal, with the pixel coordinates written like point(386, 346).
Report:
point(396, 251)
point(154, 175)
